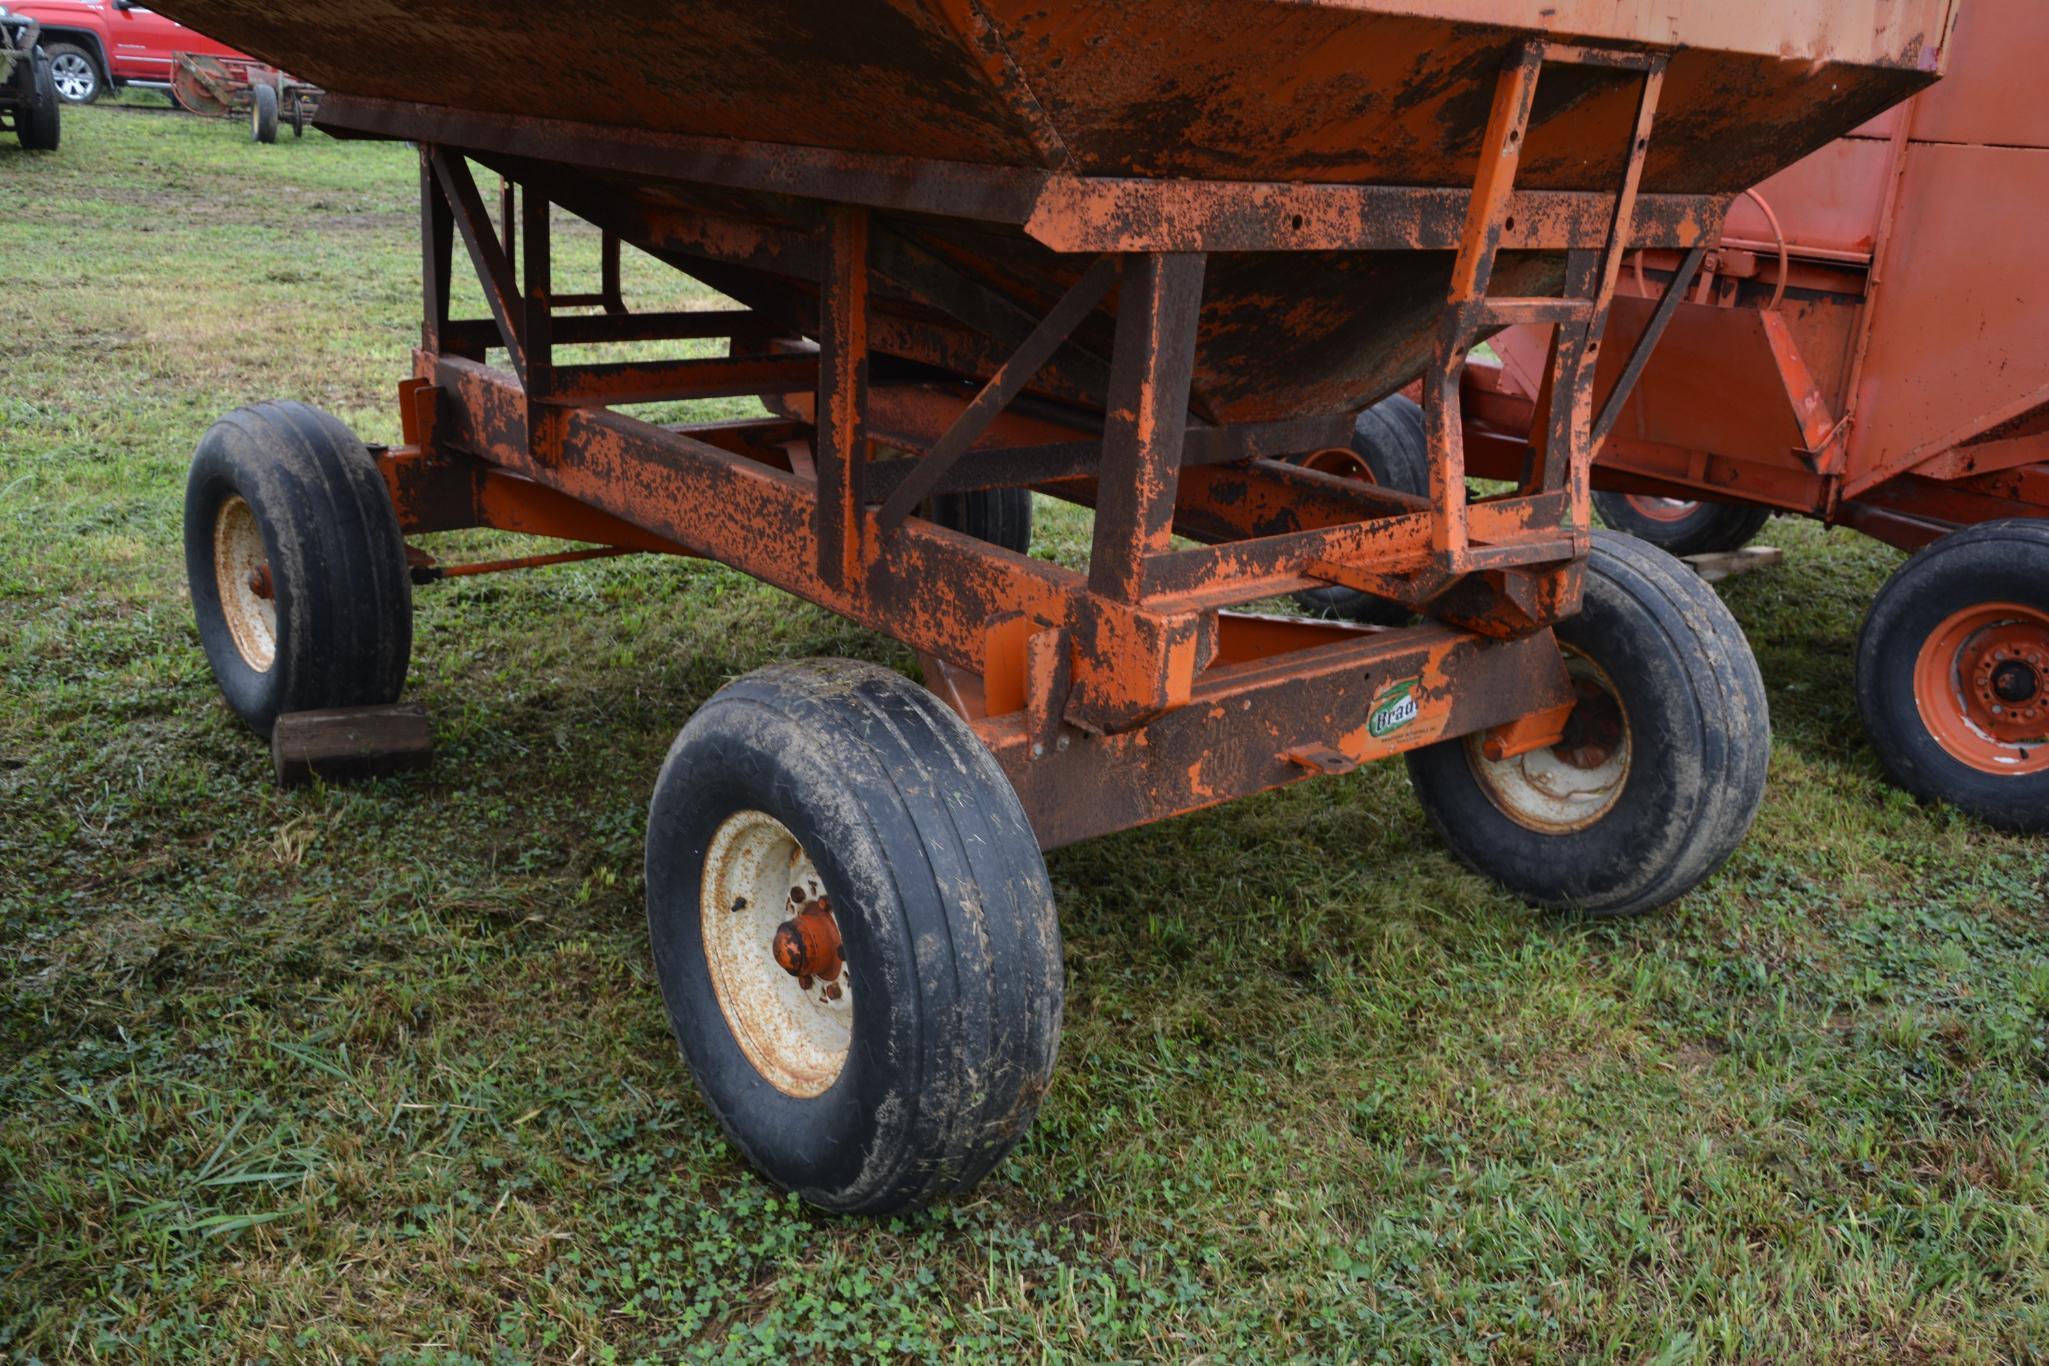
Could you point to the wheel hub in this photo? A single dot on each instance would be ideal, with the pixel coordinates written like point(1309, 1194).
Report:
point(807, 945)
point(1979, 687)
point(1574, 783)
point(773, 950)
point(242, 579)
point(2014, 681)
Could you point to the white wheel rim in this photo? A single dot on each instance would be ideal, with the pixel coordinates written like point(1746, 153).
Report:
point(240, 566)
point(1568, 786)
point(795, 1035)
point(73, 76)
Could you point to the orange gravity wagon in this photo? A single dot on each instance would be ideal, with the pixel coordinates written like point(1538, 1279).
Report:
point(1139, 256)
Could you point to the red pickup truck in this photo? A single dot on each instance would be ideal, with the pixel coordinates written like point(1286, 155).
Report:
point(94, 45)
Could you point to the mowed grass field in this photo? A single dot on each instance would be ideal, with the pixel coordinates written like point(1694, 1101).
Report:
point(381, 1070)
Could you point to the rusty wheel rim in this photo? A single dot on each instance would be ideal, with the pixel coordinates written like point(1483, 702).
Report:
point(1661, 509)
point(1342, 461)
point(760, 888)
point(1568, 786)
point(241, 571)
point(1981, 686)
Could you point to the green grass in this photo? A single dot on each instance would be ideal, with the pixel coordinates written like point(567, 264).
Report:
point(381, 1069)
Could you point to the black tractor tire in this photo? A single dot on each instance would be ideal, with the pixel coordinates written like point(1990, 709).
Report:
point(1698, 528)
point(1663, 668)
point(39, 124)
point(263, 114)
point(847, 782)
point(80, 71)
point(296, 565)
point(1002, 517)
point(1927, 714)
point(1389, 438)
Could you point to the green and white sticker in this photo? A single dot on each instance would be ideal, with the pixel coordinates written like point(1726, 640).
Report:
point(1394, 708)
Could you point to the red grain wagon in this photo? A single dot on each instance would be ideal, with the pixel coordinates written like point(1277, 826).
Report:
point(1862, 346)
point(1121, 254)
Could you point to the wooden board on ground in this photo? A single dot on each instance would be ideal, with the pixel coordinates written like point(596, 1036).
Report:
point(1724, 564)
point(350, 742)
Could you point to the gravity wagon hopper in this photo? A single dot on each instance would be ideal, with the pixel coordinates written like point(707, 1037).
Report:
point(1139, 257)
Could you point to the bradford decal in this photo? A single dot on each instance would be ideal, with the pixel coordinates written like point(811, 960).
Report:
point(1393, 709)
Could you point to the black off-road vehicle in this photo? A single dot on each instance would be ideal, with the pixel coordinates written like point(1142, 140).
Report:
point(28, 91)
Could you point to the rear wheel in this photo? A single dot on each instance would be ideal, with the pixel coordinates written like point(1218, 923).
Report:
point(76, 74)
point(263, 114)
point(1388, 448)
point(1681, 526)
point(38, 123)
point(1953, 673)
point(296, 565)
point(854, 934)
point(1662, 765)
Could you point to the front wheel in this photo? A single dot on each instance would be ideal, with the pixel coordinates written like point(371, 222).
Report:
point(854, 935)
point(1953, 673)
point(296, 565)
point(76, 75)
point(1662, 765)
point(1682, 526)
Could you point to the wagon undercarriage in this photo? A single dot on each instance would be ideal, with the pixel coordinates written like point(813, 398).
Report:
point(1115, 697)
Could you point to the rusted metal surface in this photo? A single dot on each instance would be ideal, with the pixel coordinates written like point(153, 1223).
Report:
point(1084, 127)
point(1223, 89)
point(1861, 345)
point(350, 742)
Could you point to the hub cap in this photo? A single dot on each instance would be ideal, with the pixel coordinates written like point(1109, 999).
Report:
point(74, 77)
point(1570, 785)
point(771, 945)
point(241, 573)
point(1981, 685)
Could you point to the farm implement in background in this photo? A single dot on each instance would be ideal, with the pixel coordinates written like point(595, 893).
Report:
point(1861, 345)
point(215, 86)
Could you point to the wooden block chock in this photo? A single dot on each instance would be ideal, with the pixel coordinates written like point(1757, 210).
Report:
point(1724, 564)
point(350, 742)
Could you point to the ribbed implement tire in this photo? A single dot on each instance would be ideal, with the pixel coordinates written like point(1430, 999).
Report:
point(40, 125)
point(1391, 439)
point(944, 910)
point(1001, 517)
point(1699, 744)
point(263, 114)
point(335, 555)
point(1994, 562)
point(1708, 528)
